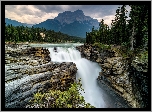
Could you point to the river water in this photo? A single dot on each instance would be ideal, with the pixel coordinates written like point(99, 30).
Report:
point(100, 97)
point(87, 71)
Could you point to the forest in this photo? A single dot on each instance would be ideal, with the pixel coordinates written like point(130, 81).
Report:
point(131, 33)
point(26, 34)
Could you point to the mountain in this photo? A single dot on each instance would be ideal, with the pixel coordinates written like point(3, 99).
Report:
point(69, 17)
point(71, 23)
point(77, 28)
point(49, 24)
point(16, 23)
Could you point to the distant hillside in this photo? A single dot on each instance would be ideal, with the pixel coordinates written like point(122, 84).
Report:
point(16, 23)
point(71, 23)
point(27, 34)
point(77, 28)
point(49, 24)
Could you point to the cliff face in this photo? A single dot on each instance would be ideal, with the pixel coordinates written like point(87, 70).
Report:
point(29, 70)
point(127, 79)
point(69, 17)
point(140, 80)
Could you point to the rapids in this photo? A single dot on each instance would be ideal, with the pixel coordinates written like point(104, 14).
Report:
point(88, 72)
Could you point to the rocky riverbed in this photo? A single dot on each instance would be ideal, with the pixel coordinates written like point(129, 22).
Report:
point(29, 70)
point(128, 79)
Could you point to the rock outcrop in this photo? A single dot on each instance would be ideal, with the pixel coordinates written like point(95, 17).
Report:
point(29, 70)
point(91, 53)
point(119, 74)
point(140, 81)
point(63, 76)
point(115, 74)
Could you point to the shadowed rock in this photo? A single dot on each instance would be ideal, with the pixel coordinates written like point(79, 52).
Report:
point(30, 71)
point(128, 80)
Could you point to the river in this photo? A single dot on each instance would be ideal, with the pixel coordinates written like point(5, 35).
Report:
point(88, 71)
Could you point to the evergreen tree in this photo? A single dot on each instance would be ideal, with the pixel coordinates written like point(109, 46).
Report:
point(26, 34)
point(138, 25)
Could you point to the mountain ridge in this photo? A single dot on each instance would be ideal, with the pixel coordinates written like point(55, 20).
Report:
point(16, 23)
point(71, 23)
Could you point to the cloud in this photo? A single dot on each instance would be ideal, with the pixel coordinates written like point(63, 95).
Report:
point(64, 7)
point(27, 14)
point(32, 14)
point(107, 19)
point(48, 8)
point(100, 10)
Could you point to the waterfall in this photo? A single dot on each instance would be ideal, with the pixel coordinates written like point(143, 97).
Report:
point(88, 72)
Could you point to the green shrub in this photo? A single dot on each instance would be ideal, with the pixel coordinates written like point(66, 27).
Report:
point(102, 46)
point(143, 57)
point(71, 98)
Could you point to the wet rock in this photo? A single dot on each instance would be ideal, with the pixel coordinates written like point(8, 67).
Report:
point(22, 88)
point(90, 52)
point(31, 71)
point(55, 49)
point(114, 71)
point(63, 76)
point(116, 75)
point(99, 60)
point(117, 101)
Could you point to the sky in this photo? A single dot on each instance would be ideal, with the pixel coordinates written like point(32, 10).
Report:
point(34, 14)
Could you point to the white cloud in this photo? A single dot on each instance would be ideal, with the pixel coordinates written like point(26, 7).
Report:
point(49, 16)
point(27, 14)
point(107, 19)
point(32, 8)
point(34, 14)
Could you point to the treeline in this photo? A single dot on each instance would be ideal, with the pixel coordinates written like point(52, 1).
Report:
point(26, 34)
point(132, 33)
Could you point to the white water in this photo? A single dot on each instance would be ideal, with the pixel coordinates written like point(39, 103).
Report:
point(88, 72)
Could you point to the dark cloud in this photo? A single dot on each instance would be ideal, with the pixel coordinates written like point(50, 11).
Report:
point(89, 10)
point(49, 8)
point(100, 10)
point(10, 7)
point(43, 12)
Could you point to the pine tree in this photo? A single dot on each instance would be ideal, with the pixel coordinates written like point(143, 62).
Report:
point(138, 25)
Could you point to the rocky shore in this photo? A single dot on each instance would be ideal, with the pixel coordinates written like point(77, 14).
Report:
point(29, 70)
point(128, 79)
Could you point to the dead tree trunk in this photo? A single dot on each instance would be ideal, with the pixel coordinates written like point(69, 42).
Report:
point(132, 39)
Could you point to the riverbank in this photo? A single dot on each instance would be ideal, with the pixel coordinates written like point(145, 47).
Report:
point(128, 76)
point(29, 70)
point(28, 43)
